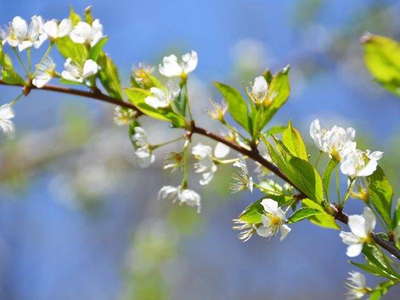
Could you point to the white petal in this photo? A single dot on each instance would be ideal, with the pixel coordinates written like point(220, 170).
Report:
point(354, 250)
point(64, 28)
point(20, 27)
point(81, 33)
point(170, 67)
point(190, 61)
point(51, 28)
point(260, 87)
point(41, 79)
point(370, 220)
point(90, 68)
point(221, 150)
point(270, 206)
point(357, 225)
point(284, 231)
point(349, 238)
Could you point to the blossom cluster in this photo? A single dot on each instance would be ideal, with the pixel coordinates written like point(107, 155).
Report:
point(340, 145)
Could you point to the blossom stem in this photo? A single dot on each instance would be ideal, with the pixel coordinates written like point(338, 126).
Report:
point(20, 61)
point(253, 153)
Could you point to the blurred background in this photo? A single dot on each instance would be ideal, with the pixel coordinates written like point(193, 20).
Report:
point(79, 221)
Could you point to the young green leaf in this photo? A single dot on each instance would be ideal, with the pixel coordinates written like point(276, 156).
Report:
point(380, 194)
point(137, 97)
point(109, 76)
point(326, 177)
point(252, 214)
point(382, 58)
point(74, 17)
point(303, 213)
point(322, 219)
point(381, 289)
point(77, 52)
point(7, 69)
point(293, 141)
point(237, 106)
point(97, 49)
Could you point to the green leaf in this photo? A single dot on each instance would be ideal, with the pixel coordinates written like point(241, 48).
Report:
point(7, 69)
point(326, 178)
point(381, 289)
point(293, 141)
point(252, 214)
point(322, 219)
point(303, 213)
point(74, 17)
point(137, 97)
point(97, 49)
point(77, 52)
point(109, 76)
point(300, 172)
point(236, 104)
point(377, 258)
point(380, 194)
point(182, 100)
point(382, 58)
point(274, 130)
point(369, 268)
point(88, 15)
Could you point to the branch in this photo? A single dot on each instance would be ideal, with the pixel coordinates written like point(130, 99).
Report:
point(253, 153)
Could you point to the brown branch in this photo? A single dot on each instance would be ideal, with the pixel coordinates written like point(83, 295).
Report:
point(253, 153)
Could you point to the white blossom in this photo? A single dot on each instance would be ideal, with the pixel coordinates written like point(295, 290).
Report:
point(359, 163)
point(74, 72)
point(84, 33)
point(23, 36)
point(55, 29)
point(143, 154)
point(162, 98)
point(259, 89)
point(144, 157)
point(361, 227)
point(180, 195)
point(123, 116)
point(44, 72)
point(356, 286)
point(206, 164)
point(337, 141)
point(6, 114)
point(241, 180)
point(273, 221)
point(171, 67)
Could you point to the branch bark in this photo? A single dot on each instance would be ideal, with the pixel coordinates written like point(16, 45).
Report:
point(253, 153)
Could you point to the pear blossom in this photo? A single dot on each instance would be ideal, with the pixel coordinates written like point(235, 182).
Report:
point(180, 195)
point(56, 30)
point(246, 229)
point(23, 36)
point(218, 111)
point(123, 116)
point(173, 161)
point(44, 72)
point(162, 98)
point(143, 154)
point(361, 227)
point(357, 286)
point(171, 67)
point(359, 163)
point(84, 33)
point(74, 72)
point(337, 141)
point(206, 164)
point(6, 114)
point(241, 180)
point(259, 89)
point(273, 221)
